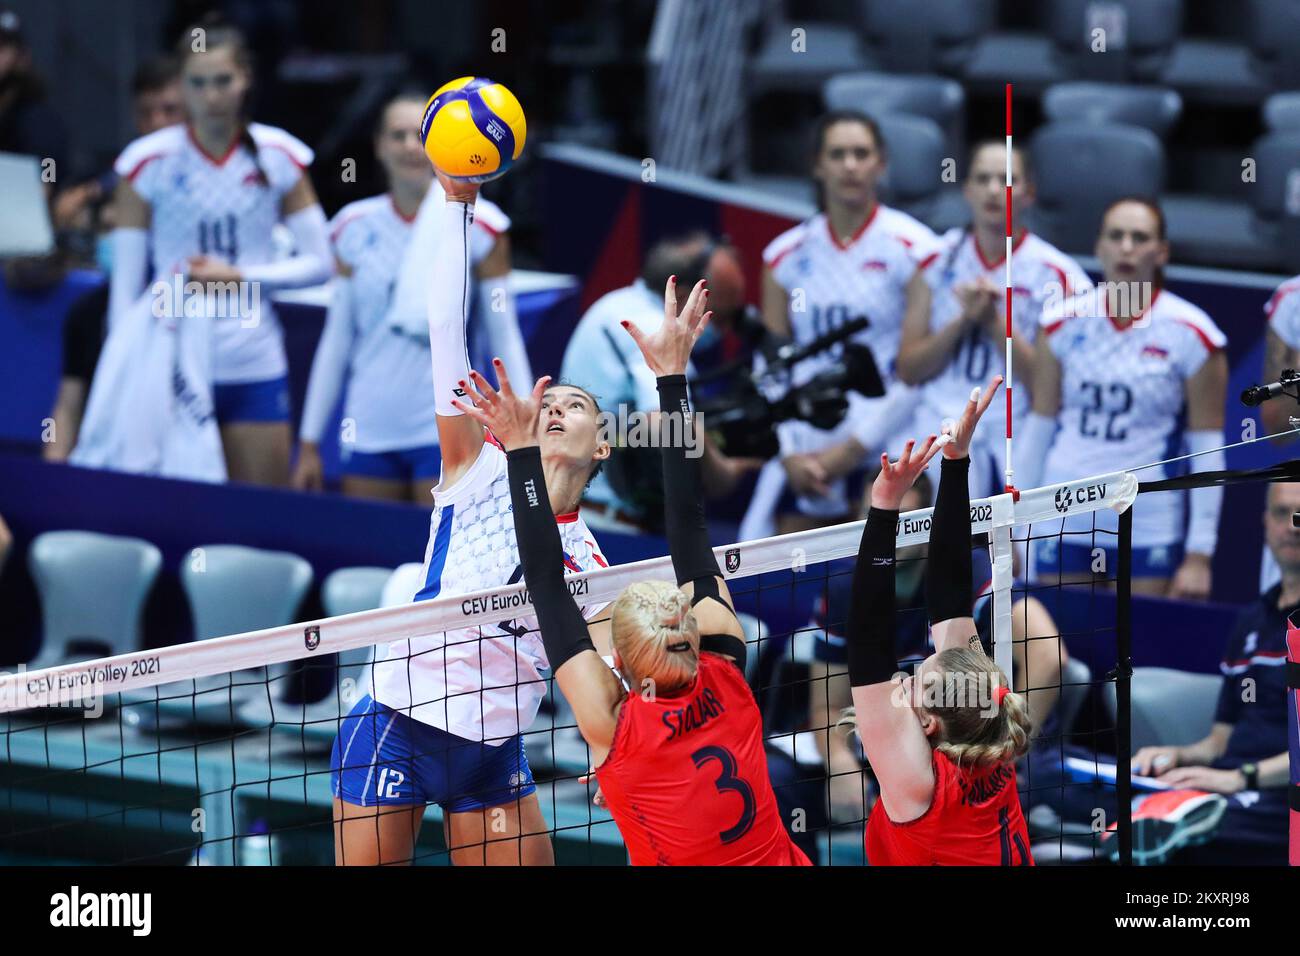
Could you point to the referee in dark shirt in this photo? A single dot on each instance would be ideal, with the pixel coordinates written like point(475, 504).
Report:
point(1245, 755)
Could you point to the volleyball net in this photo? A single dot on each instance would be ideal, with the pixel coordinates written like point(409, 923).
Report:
point(218, 751)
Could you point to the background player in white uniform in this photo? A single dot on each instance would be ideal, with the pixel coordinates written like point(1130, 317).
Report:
point(855, 258)
point(390, 433)
point(1281, 351)
point(1118, 370)
point(201, 200)
point(961, 342)
point(445, 720)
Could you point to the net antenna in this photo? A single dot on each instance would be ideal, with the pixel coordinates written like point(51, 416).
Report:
point(1009, 377)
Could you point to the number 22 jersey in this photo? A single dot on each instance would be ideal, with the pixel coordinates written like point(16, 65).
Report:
point(1122, 398)
point(686, 779)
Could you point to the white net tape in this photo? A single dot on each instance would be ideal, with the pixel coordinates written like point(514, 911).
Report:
point(142, 669)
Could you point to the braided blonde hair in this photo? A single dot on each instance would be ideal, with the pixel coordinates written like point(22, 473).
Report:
point(655, 635)
point(975, 729)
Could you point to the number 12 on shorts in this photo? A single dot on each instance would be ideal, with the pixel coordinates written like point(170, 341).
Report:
point(390, 781)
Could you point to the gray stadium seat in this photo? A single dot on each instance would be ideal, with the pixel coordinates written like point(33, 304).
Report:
point(1076, 682)
point(348, 590)
point(1282, 112)
point(231, 589)
point(1081, 168)
point(92, 588)
point(1150, 107)
point(345, 591)
point(937, 36)
point(1275, 41)
point(1169, 707)
point(1140, 37)
point(1234, 72)
point(936, 97)
point(1263, 234)
point(828, 48)
point(912, 181)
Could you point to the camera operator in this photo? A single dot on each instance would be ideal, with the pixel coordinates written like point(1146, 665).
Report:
point(602, 358)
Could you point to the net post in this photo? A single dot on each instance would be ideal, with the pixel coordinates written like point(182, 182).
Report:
point(1123, 675)
point(1003, 579)
point(1293, 735)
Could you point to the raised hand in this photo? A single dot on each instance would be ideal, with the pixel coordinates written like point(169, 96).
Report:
point(511, 418)
point(668, 347)
point(896, 478)
point(457, 190)
point(963, 430)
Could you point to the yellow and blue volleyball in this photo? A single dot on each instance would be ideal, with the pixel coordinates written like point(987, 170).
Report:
point(473, 129)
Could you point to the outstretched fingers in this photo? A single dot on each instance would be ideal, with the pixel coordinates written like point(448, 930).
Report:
point(670, 299)
point(540, 389)
point(503, 378)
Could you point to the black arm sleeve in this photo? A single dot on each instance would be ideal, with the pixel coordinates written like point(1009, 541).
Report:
point(564, 631)
point(688, 535)
point(870, 627)
point(948, 567)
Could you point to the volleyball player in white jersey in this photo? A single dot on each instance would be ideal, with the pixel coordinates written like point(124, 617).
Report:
point(959, 344)
point(390, 446)
point(444, 721)
point(1281, 351)
point(1120, 370)
point(199, 201)
point(856, 257)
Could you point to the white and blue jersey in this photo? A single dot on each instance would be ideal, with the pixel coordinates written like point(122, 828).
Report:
point(1123, 402)
point(478, 683)
point(223, 206)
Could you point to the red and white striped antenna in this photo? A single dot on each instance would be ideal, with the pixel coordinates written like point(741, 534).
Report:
point(1010, 241)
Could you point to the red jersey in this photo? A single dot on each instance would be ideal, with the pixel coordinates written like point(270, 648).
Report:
point(686, 779)
point(974, 819)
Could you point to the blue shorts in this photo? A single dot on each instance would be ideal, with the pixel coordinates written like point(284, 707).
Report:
point(1053, 557)
point(384, 758)
point(402, 464)
point(266, 401)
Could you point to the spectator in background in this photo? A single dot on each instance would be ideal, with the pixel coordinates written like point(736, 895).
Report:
point(856, 257)
point(1281, 351)
point(1245, 755)
point(1127, 371)
point(603, 359)
point(956, 345)
point(201, 201)
point(155, 103)
point(28, 124)
point(390, 445)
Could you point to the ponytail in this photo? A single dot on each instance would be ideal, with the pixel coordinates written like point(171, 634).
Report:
point(983, 722)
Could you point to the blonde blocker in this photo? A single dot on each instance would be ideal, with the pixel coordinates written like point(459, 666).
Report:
point(975, 730)
point(655, 635)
